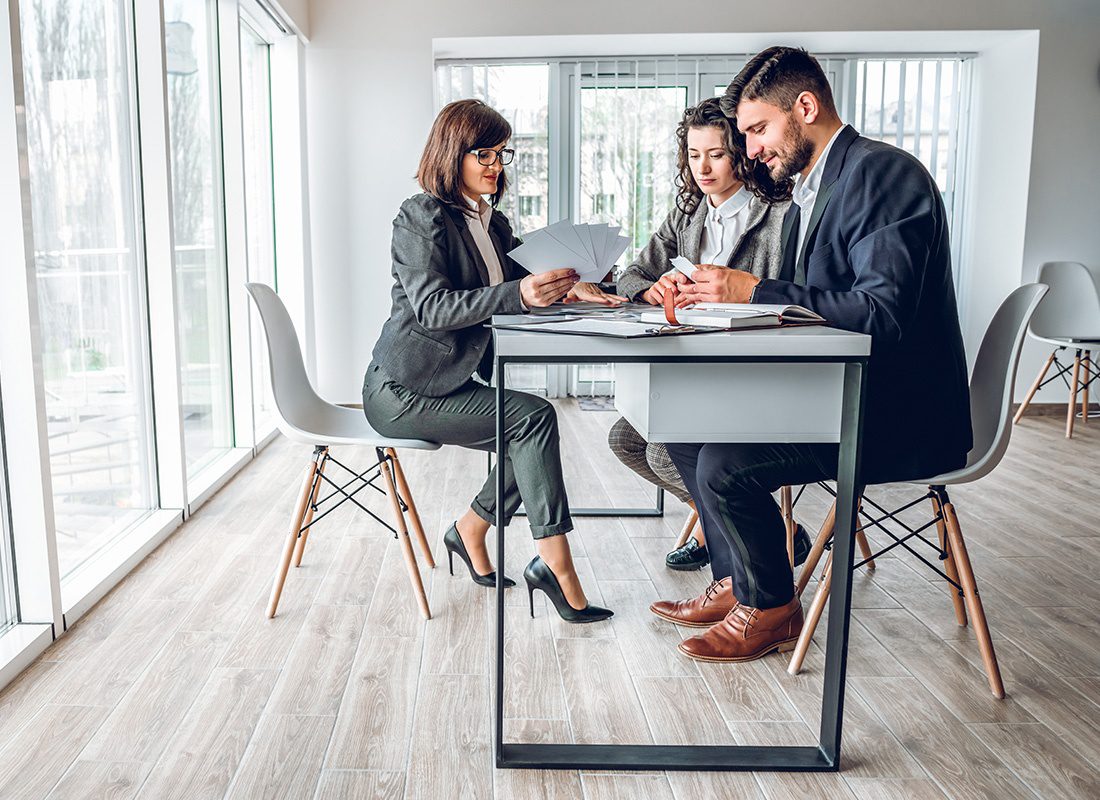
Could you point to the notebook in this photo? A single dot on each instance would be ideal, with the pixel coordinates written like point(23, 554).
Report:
point(738, 315)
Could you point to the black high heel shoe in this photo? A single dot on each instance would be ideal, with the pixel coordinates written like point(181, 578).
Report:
point(453, 542)
point(539, 576)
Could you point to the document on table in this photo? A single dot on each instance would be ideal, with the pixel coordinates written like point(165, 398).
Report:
point(591, 250)
point(618, 329)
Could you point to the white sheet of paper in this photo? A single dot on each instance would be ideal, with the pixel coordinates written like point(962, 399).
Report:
point(684, 266)
point(563, 231)
point(540, 254)
point(599, 243)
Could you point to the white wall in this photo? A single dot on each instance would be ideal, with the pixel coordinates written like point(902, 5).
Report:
point(369, 86)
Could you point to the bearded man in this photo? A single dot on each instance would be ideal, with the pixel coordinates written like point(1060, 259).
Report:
point(865, 246)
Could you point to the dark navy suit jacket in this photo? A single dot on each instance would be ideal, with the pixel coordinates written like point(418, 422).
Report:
point(876, 260)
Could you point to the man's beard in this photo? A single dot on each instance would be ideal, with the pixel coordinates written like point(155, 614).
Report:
point(801, 150)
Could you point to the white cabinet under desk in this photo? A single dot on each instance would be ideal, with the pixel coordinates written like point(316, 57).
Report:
point(731, 402)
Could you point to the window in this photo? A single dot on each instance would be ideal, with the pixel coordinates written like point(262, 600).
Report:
point(521, 93)
point(7, 575)
point(190, 32)
point(920, 105)
point(530, 206)
point(81, 139)
point(260, 206)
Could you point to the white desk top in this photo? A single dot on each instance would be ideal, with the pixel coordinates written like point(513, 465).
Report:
point(811, 340)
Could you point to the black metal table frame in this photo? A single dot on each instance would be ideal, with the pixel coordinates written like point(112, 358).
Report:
point(823, 758)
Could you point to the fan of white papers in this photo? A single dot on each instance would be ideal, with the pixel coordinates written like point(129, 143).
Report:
point(589, 249)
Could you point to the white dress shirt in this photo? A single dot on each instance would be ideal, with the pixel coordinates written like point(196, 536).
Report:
point(805, 192)
point(724, 227)
point(479, 229)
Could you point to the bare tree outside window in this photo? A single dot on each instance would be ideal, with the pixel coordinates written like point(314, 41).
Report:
point(78, 80)
point(198, 229)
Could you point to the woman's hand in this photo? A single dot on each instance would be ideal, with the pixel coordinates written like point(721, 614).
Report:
point(539, 291)
point(591, 293)
point(669, 282)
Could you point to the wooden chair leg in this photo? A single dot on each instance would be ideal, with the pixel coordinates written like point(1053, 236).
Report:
point(973, 601)
point(689, 526)
point(823, 537)
point(292, 537)
point(949, 565)
point(406, 542)
point(414, 515)
point(812, 618)
point(1071, 412)
point(864, 548)
point(310, 507)
point(786, 505)
point(1085, 387)
point(1034, 388)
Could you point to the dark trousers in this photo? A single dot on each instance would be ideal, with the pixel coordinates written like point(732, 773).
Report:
point(732, 485)
point(467, 417)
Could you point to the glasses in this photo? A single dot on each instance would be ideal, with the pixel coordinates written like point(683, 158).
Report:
point(486, 156)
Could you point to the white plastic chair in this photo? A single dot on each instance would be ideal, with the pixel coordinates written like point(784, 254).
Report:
point(1069, 317)
point(304, 417)
point(991, 386)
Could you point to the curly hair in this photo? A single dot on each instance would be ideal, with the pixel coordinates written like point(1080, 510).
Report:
point(753, 174)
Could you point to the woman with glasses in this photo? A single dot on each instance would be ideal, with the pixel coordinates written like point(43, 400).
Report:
point(451, 275)
point(728, 214)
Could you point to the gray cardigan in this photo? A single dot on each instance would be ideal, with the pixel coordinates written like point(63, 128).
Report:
point(435, 338)
point(759, 250)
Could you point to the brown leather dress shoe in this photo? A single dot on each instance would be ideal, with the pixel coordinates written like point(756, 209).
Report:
point(699, 612)
point(748, 633)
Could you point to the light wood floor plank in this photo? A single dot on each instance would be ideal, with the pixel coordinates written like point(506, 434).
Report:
point(612, 787)
point(895, 789)
point(450, 742)
point(36, 758)
point(1042, 759)
point(375, 719)
point(714, 786)
point(360, 785)
point(530, 668)
point(681, 711)
point(105, 675)
point(941, 743)
point(314, 678)
point(284, 758)
point(205, 751)
point(100, 780)
point(138, 728)
point(603, 705)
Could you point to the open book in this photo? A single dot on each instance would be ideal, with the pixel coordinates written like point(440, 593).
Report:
point(738, 315)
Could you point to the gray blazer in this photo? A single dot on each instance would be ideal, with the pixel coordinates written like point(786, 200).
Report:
point(759, 250)
point(435, 338)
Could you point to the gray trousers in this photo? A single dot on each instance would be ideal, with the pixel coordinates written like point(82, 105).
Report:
point(648, 459)
point(467, 417)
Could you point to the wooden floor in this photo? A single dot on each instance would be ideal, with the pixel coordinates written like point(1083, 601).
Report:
point(176, 686)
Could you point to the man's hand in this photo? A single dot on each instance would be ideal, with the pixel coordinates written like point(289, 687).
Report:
point(671, 281)
point(539, 291)
point(591, 293)
point(714, 284)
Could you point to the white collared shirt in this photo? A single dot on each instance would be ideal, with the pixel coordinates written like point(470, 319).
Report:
point(806, 189)
point(479, 229)
point(724, 227)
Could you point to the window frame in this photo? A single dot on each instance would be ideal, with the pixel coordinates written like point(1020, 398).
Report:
point(46, 604)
